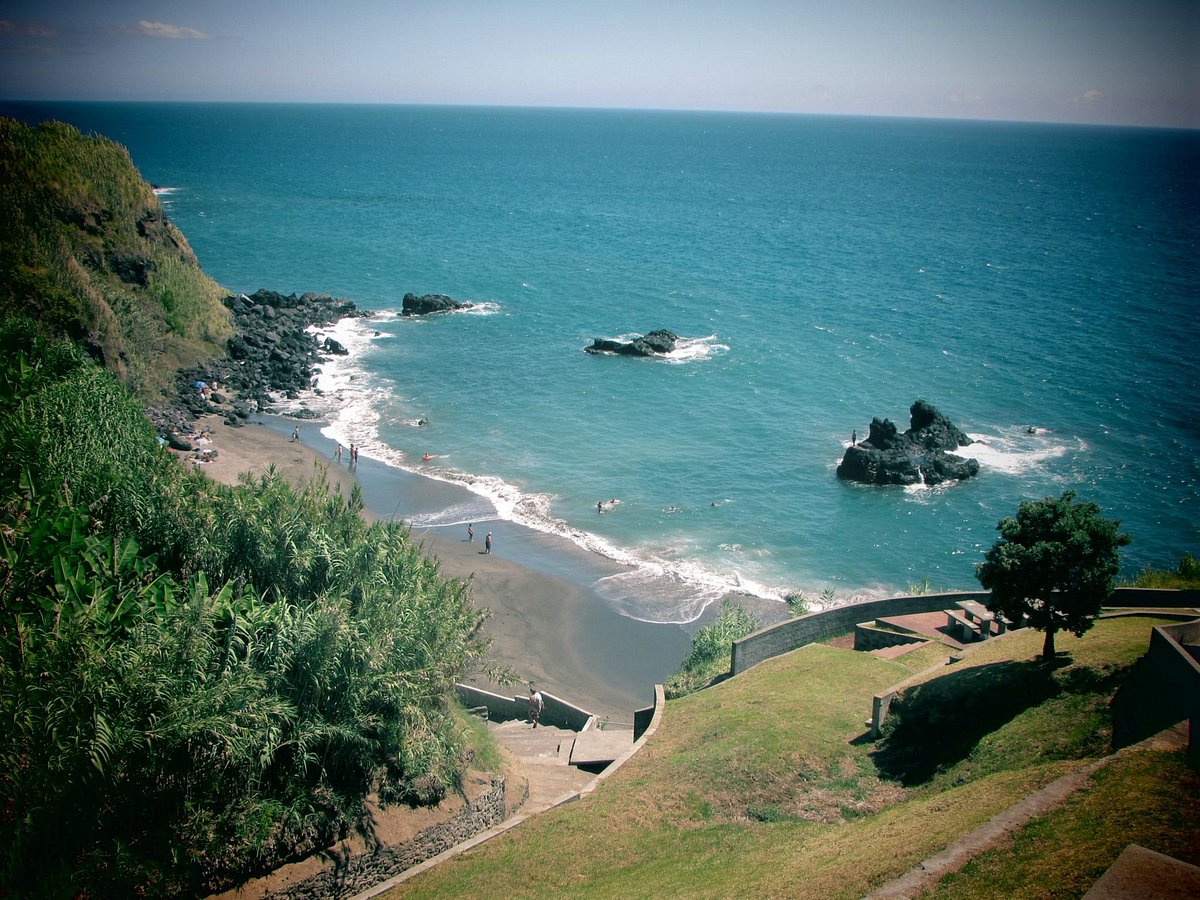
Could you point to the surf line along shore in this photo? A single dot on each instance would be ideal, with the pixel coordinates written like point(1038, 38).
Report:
point(553, 631)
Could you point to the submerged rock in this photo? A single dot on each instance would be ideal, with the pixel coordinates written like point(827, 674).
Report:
point(920, 454)
point(656, 343)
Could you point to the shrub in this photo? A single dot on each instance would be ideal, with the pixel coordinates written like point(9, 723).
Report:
point(712, 651)
point(197, 683)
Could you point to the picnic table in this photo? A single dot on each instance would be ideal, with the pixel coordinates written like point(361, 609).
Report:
point(976, 611)
point(971, 621)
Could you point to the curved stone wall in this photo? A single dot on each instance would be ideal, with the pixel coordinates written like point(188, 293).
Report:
point(786, 636)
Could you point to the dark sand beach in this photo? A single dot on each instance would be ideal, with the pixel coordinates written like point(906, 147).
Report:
point(546, 623)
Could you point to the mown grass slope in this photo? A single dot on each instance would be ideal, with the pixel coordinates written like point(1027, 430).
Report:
point(768, 785)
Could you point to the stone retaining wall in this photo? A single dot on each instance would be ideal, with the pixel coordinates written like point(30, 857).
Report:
point(556, 712)
point(353, 874)
point(1162, 689)
point(867, 637)
point(786, 636)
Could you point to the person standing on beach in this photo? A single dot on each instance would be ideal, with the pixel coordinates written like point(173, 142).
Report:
point(487, 543)
point(296, 433)
point(471, 532)
point(536, 705)
point(338, 454)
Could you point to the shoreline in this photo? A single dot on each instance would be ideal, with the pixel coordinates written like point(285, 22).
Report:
point(546, 622)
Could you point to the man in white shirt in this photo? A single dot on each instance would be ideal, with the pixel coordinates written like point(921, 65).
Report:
point(536, 705)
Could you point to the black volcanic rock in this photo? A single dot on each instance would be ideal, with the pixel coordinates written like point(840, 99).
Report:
point(270, 351)
point(430, 303)
point(920, 454)
point(656, 343)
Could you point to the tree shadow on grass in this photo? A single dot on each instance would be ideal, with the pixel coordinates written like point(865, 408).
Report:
point(934, 725)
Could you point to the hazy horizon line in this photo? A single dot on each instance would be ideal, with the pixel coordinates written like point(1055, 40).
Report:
point(594, 108)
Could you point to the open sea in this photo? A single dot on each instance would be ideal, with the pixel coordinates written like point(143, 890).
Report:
point(1040, 284)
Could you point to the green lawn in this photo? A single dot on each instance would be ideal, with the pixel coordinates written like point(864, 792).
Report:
point(768, 785)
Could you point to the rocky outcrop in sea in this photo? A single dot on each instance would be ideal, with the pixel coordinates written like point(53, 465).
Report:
point(428, 304)
point(271, 351)
point(656, 343)
point(920, 454)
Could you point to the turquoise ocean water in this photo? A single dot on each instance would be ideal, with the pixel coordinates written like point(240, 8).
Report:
point(1040, 284)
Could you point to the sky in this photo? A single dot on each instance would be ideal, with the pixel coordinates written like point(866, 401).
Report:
point(1116, 62)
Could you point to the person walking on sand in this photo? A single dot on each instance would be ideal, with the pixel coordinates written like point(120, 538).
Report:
point(487, 543)
point(296, 433)
point(470, 532)
point(536, 705)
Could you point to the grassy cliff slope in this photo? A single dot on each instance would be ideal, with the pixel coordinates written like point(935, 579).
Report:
point(86, 251)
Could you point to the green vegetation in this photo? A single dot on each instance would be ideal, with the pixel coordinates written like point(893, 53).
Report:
point(920, 588)
point(712, 651)
point(766, 785)
point(197, 683)
point(1055, 564)
point(938, 733)
point(1062, 854)
point(797, 604)
point(1185, 577)
point(86, 251)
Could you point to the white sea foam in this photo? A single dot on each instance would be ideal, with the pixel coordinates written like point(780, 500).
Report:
point(692, 349)
point(1018, 449)
point(686, 349)
point(664, 583)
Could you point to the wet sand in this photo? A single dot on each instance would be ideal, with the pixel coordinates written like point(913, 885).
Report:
point(546, 623)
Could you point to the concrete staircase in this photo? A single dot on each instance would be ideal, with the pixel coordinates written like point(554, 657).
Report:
point(545, 752)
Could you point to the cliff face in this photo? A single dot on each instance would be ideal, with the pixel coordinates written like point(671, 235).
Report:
point(86, 251)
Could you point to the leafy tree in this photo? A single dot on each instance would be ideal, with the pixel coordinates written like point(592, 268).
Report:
point(1055, 564)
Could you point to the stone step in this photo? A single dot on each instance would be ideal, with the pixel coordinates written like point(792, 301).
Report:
point(894, 651)
point(544, 744)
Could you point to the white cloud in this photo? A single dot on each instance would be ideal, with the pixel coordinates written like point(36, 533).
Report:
point(171, 32)
point(1090, 96)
